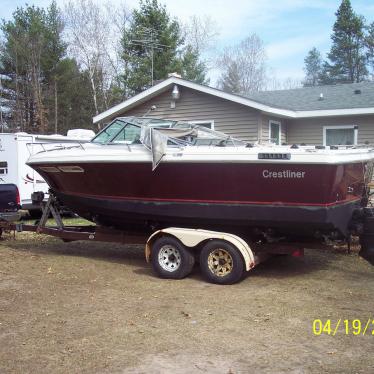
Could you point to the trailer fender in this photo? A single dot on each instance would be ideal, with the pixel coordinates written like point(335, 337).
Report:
point(192, 237)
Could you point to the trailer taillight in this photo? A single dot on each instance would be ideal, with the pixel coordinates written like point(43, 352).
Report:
point(18, 199)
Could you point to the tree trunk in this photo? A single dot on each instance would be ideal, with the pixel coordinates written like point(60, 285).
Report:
point(18, 117)
point(94, 94)
point(56, 108)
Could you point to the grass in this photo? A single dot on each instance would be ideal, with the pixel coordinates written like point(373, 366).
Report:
point(76, 221)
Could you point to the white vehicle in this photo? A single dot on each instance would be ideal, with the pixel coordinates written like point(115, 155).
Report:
point(16, 148)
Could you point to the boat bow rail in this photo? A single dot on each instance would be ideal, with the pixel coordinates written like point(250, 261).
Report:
point(34, 148)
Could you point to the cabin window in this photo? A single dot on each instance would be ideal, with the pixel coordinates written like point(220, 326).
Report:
point(340, 135)
point(130, 134)
point(275, 132)
point(207, 124)
point(3, 167)
point(108, 133)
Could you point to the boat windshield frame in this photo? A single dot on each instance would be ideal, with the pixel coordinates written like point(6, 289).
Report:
point(110, 136)
point(160, 124)
point(139, 122)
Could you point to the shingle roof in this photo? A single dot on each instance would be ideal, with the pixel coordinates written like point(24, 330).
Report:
point(339, 96)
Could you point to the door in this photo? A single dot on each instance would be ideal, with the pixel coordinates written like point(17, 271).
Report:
point(275, 132)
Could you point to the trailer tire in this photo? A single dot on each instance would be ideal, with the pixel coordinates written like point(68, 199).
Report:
point(171, 259)
point(221, 262)
point(369, 225)
point(35, 213)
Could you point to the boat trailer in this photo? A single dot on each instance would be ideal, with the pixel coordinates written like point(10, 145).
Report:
point(224, 258)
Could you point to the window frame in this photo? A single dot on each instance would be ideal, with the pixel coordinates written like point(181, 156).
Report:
point(340, 127)
point(279, 123)
point(201, 122)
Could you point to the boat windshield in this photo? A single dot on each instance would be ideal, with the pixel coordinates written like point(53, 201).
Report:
point(157, 134)
point(132, 130)
point(109, 132)
point(128, 130)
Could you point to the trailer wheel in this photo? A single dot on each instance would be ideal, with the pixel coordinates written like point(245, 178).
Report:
point(221, 262)
point(171, 259)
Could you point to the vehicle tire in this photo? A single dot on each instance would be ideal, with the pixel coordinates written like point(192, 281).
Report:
point(35, 213)
point(221, 262)
point(368, 255)
point(171, 259)
point(369, 225)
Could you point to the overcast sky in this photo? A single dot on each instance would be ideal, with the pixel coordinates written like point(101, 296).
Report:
point(289, 28)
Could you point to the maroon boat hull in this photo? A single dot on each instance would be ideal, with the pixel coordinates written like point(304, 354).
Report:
point(307, 197)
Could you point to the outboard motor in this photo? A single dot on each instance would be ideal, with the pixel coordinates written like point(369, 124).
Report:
point(367, 237)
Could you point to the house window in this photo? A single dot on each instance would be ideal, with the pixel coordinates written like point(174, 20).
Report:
point(340, 135)
point(207, 124)
point(275, 132)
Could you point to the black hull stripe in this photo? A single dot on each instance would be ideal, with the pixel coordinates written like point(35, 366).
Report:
point(122, 213)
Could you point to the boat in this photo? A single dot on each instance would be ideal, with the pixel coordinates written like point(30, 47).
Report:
point(144, 174)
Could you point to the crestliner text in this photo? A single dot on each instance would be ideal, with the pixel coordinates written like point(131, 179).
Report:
point(283, 174)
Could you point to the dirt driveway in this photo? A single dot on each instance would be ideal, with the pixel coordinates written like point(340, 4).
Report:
point(97, 308)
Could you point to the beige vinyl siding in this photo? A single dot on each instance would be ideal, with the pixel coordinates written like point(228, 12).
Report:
point(265, 119)
point(310, 131)
point(234, 119)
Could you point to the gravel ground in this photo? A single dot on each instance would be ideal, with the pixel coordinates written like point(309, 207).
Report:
point(97, 308)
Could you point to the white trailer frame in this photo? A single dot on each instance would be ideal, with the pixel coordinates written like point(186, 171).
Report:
point(15, 149)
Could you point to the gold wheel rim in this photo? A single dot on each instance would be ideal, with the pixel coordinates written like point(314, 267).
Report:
point(220, 262)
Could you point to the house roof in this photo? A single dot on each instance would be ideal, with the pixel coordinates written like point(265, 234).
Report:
point(339, 96)
point(338, 100)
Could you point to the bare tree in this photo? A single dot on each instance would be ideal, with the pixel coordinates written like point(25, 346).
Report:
point(290, 83)
point(200, 32)
point(243, 66)
point(273, 83)
point(119, 16)
point(91, 42)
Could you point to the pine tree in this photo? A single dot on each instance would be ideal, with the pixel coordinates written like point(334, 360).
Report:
point(47, 91)
point(24, 42)
point(32, 49)
point(230, 80)
point(313, 68)
point(152, 36)
point(370, 46)
point(75, 103)
point(191, 68)
point(153, 47)
point(55, 50)
point(347, 60)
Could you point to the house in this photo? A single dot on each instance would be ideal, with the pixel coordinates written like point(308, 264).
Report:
point(322, 115)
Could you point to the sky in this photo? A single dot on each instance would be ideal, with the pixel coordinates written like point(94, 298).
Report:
point(289, 28)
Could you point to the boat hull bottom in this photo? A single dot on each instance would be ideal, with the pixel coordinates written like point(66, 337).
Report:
point(147, 216)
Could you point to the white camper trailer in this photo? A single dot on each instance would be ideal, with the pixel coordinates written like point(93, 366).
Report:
point(16, 148)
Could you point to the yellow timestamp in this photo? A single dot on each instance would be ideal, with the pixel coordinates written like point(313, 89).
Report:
point(343, 326)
